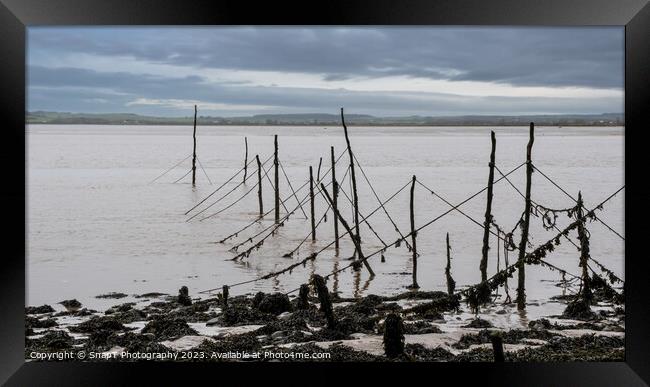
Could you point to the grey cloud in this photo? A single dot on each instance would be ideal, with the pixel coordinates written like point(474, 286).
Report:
point(54, 89)
point(579, 56)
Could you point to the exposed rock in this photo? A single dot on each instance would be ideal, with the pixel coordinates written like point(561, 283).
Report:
point(39, 309)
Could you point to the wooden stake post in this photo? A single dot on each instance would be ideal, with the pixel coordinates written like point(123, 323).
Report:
point(311, 200)
point(488, 213)
point(414, 285)
point(521, 288)
point(259, 184)
point(194, 150)
point(335, 195)
point(246, 159)
point(277, 181)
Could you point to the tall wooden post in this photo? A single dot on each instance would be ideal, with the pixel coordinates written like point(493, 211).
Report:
point(311, 199)
point(194, 150)
point(246, 159)
point(259, 184)
point(335, 195)
point(521, 289)
point(488, 212)
point(414, 249)
point(584, 251)
point(354, 180)
point(320, 162)
point(356, 241)
point(277, 181)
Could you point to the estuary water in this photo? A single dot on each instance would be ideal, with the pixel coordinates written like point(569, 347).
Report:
point(95, 223)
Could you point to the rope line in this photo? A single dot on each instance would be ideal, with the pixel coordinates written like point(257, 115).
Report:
point(292, 190)
point(204, 172)
point(569, 195)
point(223, 185)
point(175, 165)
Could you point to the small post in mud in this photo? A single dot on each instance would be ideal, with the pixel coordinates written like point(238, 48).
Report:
point(224, 294)
point(259, 185)
point(354, 181)
point(583, 237)
point(414, 249)
point(451, 284)
point(277, 181)
point(311, 200)
point(497, 347)
point(324, 298)
point(194, 151)
point(393, 336)
point(335, 195)
point(245, 159)
point(488, 212)
point(355, 240)
point(303, 297)
point(521, 266)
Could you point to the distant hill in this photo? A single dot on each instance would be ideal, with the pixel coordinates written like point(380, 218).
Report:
point(319, 119)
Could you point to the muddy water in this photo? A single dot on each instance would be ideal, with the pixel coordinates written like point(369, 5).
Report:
point(95, 225)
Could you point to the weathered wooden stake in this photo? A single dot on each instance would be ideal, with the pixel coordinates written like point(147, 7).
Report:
point(311, 200)
point(354, 181)
point(194, 150)
point(335, 195)
point(488, 212)
point(497, 347)
point(259, 184)
point(277, 181)
point(355, 240)
point(521, 289)
point(414, 249)
point(584, 251)
point(324, 298)
point(246, 159)
point(303, 297)
point(393, 336)
point(451, 284)
point(224, 294)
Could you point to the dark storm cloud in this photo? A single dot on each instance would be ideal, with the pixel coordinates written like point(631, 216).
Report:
point(588, 57)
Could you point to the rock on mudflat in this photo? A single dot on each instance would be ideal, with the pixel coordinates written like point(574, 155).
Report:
point(38, 309)
point(71, 305)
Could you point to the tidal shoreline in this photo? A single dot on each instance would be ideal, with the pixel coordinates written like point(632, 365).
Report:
point(436, 327)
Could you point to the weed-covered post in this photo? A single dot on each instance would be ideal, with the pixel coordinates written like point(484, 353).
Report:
point(245, 159)
point(277, 181)
point(259, 185)
point(583, 237)
point(521, 266)
point(324, 298)
point(497, 347)
point(311, 201)
point(355, 240)
point(488, 212)
point(194, 150)
point(393, 336)
point(414, 250)
point(224, 295)
point(303, 297)
point(451, 284)
point(335, 195)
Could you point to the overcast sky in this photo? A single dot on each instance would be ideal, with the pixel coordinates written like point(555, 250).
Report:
point(383, 71)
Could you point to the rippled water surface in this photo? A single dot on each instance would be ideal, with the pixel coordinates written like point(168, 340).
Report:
point(96, 225)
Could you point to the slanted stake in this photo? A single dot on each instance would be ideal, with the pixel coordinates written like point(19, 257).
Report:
point(354, 182)
point(521, 266)
point(488, 213)
point(355, 240)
